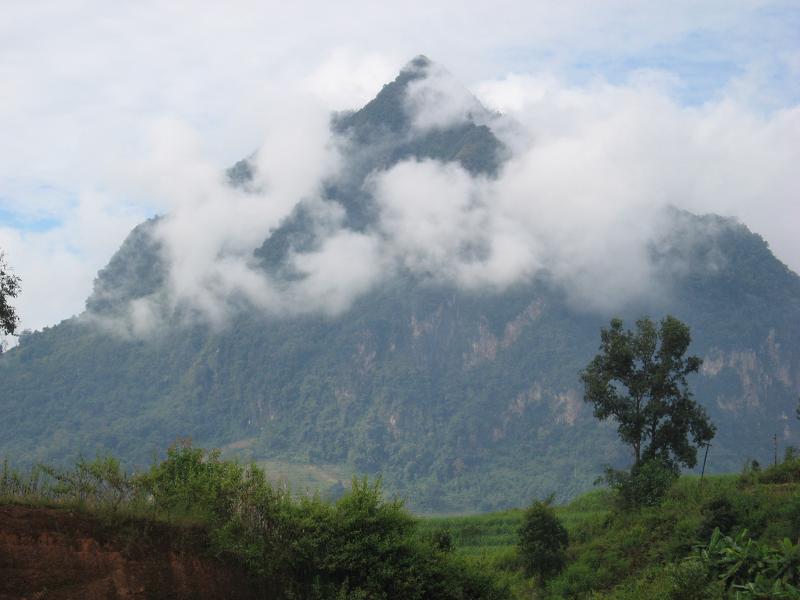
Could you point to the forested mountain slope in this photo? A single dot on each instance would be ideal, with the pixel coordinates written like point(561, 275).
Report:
point(462, 399)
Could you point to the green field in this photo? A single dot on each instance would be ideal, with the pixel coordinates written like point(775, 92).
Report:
point(639, 553)
point(490, 540)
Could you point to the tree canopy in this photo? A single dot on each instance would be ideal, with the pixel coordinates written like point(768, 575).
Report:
point(639, 379)
point(9, 288)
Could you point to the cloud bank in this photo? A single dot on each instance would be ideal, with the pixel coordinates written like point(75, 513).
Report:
point(581, 198)
point(84, 84)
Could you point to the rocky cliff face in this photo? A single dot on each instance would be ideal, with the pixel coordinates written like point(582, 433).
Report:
point(64, 555)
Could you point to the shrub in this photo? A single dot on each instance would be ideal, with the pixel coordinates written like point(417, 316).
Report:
point(442, 539)
point(786, 472)
point(720, 514)
point(360, 547)
point(645, 485)
point(690, 579)
point(101, 483)
point(543, 541)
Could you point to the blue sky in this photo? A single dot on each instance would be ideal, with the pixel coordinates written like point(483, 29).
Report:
point(88, 88)
point(21, 221)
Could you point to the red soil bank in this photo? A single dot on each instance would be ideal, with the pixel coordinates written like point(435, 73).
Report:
point(60, 554)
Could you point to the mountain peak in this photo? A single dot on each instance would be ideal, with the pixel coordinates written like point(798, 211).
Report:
point(418, 64)
point(386, 125)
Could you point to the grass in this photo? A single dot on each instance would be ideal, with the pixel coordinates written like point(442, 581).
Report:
point(361, 546)
point(613, 552)
point(490, 540)
point(627, 554)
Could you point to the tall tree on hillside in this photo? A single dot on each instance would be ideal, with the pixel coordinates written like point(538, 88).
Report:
point(9, 288)
point(639, 380)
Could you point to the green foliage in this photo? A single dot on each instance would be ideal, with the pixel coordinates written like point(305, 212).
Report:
point(442, 539)
point(99, 483)
point(690, 579)
point(645, 485)
point(9, 288)
point(648, 553)
point(19, 484)
point(752, 569)
point(543, 541)
point(787, 471)
point(360, 547)
point(639, 379)
point(718, 514)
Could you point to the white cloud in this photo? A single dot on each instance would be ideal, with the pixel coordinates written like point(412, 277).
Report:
point(211, 228)
point(347, 265)
point(58, 264)
point(583, 195)
point(84, 84)
point(346, 80)
point(439, 100)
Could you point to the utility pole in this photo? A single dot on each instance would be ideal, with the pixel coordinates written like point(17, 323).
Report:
point(705, 457)
point(775, 448)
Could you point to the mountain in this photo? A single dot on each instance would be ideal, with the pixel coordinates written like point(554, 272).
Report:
point(462, 400)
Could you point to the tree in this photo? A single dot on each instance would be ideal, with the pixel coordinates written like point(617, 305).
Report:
point(9, 288)
point(543, 541)
point(639, 379)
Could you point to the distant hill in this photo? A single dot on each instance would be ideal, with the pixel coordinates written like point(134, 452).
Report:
point(462, 400)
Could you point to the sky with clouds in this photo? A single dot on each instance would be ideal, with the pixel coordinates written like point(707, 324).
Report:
point(113, 112)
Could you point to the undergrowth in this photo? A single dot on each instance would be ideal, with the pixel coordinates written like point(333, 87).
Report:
point(362, 546)
point(728, 536)
point(657, 552)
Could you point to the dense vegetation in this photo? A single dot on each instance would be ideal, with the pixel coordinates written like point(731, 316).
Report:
point(712, 538)
point(359, 547)
point(719, 537)
point(461, 401)
point(9, 288)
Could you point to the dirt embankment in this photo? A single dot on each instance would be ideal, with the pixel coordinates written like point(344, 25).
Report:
point(64, 555)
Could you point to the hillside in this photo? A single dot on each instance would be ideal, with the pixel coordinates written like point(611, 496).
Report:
point(463, 400)
point(197, 526)
point(656, 552)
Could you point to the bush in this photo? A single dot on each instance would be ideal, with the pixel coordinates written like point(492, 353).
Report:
point(690, 580)
point(543, 541)
point(442, 540)
point(645, 485)
point(786, 472)
point(99, 483)
point(360, 547)
point(720, 514)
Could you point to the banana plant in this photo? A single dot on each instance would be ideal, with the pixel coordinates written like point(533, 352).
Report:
point(752, 570)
